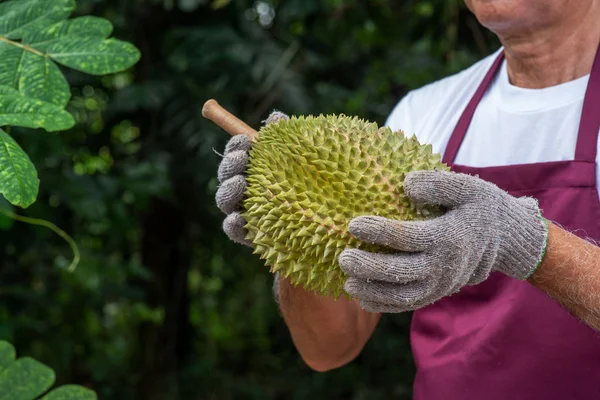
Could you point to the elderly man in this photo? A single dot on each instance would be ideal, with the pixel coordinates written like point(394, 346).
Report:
point(506, 298)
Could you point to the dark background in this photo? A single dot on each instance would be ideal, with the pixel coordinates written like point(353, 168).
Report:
point(163, 305)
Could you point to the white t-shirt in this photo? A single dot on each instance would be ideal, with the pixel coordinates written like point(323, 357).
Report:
point(511, 125)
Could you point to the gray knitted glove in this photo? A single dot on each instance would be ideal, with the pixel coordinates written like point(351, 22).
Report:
point(484, 229)
point(232, 183)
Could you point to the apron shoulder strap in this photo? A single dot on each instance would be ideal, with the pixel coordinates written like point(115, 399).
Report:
point(462, 126)
point(587, 140)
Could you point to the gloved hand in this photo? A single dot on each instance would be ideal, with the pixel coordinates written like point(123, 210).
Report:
point(232, 183)
point(484, 229)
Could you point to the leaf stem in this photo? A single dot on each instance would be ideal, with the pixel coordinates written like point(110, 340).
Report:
point(23, 46)
point(54, 228)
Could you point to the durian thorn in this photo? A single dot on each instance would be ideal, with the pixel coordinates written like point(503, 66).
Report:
point(229, 122)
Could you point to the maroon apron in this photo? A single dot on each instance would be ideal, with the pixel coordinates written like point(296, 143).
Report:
point(504, 338)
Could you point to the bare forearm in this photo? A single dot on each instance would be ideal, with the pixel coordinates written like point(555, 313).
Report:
point(570, 273)
point(328, 333)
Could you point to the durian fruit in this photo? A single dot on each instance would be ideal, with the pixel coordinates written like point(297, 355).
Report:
point(308, 177)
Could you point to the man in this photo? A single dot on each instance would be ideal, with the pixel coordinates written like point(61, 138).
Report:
point(507, 304)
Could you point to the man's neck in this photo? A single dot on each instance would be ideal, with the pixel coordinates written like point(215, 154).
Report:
point(554, 55)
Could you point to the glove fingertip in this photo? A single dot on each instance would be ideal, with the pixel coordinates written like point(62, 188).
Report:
point(238, 142)
point(276, 116)
point(234, 227)
point(364, 227)
point(347, 260)
point(414, 181)
point(232, 164)
point(351, 286)
point(374, 229)
point(435, 187)
point(230, 194)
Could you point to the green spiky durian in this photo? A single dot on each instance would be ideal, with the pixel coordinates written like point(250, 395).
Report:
point(308, 177)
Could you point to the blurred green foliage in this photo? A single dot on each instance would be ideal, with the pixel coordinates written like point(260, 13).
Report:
point(163, 306)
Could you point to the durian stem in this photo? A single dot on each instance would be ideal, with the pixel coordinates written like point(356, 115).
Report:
point(229, 122)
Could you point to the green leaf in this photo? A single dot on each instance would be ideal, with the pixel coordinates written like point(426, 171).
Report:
point(34, 76)
point(17, 17)
point(79, 27)
point(25, 379)
point(42, 79)
point(93, 55)
point(19, 182)
point(18, 110)
point(7, 355)
point(8, 91)
point(70, 392)
point(10, 68)
point(80, 43)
